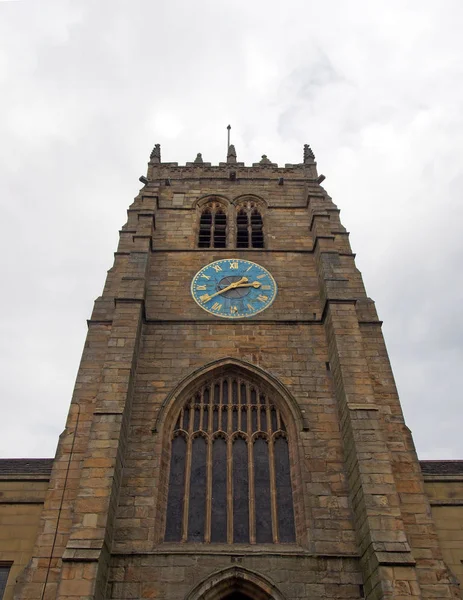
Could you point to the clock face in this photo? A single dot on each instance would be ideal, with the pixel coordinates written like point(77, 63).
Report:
point(233, 288)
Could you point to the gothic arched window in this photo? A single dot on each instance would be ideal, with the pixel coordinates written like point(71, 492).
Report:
point(249, 225)
point(229, 476)
point(213, 226)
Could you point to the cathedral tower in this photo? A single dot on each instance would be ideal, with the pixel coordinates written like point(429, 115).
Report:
point(235, 430)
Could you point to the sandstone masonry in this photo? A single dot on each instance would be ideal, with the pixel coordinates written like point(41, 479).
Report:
point(364, 526)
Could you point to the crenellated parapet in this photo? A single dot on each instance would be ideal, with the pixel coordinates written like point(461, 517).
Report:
point(231, 169)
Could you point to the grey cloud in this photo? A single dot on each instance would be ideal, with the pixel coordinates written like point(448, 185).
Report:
point(87, 88)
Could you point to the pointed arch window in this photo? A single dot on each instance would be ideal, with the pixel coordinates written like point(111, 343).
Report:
point(229, 478)
point(249, 226)
point(213, 226)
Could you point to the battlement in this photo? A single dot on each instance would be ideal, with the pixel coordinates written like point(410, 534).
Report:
point(231, 169)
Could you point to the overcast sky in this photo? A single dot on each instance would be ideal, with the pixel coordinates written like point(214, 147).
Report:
point(88, 87)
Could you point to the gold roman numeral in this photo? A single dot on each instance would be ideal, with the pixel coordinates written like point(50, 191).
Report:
point(203, 287)
point(204, 297)
point(249, 268)
point(205, 276)
point(260, 276)
point(216, 306)
point(233, 265)
point(262, 298)
point(264, 287)
point(250, 306)
point(217, 268)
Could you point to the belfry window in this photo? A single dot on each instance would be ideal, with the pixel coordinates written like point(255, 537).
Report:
point(249, 226)
point(229, 476)
point(213, 227)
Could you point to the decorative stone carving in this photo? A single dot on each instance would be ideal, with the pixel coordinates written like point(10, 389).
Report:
point(309, 156)
point(265, 160)
point(155, 155)
point(199, 159)
point(231, 156)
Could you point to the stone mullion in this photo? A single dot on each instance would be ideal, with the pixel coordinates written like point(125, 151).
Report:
point(230, 236)
point(201, 411)
point(210, 425)
point(248, 214)
point(208, 523)
point(271, 457)
point(189, 450)
point(278, 419)
point(210, 445)
point(211, 245)
point(268, 412)
point(252, 504)
point(229, 464)
point(240, 404)
point(273, 491)
point(219, 409)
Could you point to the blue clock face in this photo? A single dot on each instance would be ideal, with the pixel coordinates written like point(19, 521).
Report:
point(233, 288)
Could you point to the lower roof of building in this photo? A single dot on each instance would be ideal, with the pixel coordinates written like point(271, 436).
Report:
point(43, 466)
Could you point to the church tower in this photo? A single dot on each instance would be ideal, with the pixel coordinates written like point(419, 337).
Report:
point(235, 430)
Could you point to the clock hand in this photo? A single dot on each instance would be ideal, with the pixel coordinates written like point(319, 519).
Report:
point(254, 284)
point(229, 287)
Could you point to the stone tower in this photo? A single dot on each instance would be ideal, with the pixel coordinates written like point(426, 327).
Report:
point(235, 430)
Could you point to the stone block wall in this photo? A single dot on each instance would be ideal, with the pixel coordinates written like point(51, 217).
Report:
point(23, 485)
point(363, 521)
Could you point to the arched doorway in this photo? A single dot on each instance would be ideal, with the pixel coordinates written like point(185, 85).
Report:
point(235, 583)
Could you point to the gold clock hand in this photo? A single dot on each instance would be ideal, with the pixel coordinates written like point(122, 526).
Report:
point(254, 284)
point(229, 287)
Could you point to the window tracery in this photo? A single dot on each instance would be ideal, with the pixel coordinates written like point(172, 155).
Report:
point(213, 226)
point(249, 225)
point(229, 478)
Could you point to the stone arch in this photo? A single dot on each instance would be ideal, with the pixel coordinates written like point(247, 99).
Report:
point(259, 200)
point(235, 579)
point(172, 402)
point(211, 197)
point(214, 224)
point(291, 413)
point(250, 221)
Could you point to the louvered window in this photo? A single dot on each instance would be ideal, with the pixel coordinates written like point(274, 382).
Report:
point(229, 470)
point(249, 227)
point(213, 227)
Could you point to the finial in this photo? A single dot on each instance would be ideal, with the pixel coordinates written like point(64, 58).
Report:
point(199, 159)
point(231, 156)
point(265, 160)
point(309, 156)
point(155, 155)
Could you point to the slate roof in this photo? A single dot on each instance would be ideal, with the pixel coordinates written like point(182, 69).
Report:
point(441, 467)
point(25, 466)
point(42, 466)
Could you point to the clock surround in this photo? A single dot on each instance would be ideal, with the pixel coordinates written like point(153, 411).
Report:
point(233, 288)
